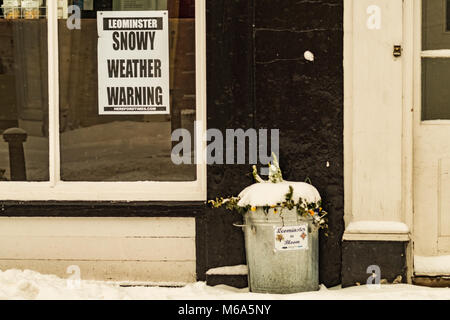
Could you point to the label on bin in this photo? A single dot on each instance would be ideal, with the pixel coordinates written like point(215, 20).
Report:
point(291, 238)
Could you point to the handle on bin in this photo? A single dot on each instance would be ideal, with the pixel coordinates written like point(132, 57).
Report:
point(239, 225)
point(252, 227)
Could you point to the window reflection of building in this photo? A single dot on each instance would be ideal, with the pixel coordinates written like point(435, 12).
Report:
point(125, 147)
point(24, 91)
point(435, 71)
point(139, 4)
point(24, 100)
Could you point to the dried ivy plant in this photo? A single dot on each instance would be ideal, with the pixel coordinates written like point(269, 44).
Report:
point(307, 210)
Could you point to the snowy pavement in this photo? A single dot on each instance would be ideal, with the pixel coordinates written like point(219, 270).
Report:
point(16, 284)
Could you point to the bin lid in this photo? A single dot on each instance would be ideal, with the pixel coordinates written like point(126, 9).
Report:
point(269, 194)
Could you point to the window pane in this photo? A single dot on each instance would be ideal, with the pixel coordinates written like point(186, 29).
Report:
point(435, 24)
point(447, 15)
point(129, 147)
point(23, 92)
point(435, 89)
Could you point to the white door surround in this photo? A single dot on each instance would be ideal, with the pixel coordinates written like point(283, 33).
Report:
point(378, 117)
point(377, 113)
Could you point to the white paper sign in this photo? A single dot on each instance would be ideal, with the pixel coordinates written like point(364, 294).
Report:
point(291, 238)
point(133, 62)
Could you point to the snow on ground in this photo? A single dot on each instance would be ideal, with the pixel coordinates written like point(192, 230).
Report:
point(16, 284)
point(241, 270)
point(377, 227)
point(432, 266)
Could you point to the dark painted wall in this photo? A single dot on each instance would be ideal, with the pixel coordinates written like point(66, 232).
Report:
point(357, 256)
point(258, 78)
point(230, 105)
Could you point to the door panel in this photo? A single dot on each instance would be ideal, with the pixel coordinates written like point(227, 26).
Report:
point(444, 196)
point(431, 187)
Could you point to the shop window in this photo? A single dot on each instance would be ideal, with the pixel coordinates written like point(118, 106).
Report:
point(74, 150)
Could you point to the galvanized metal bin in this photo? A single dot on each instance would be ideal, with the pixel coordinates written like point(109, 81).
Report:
point(279, 271)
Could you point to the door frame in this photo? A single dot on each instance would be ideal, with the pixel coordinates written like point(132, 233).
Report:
point(406, 122)
point(409, 104)
point(408, 109)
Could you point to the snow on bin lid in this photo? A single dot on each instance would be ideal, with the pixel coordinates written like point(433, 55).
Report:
point(269, 194)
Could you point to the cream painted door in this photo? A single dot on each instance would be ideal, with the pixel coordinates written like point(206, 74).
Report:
point(432, 128)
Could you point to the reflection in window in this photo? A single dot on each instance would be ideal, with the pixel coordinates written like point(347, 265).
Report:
point(24, 91)
point(435, 71)
point(435, 24)
point(123, 147)
point(139, 5)
point(435, 90)
point(447, 15)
